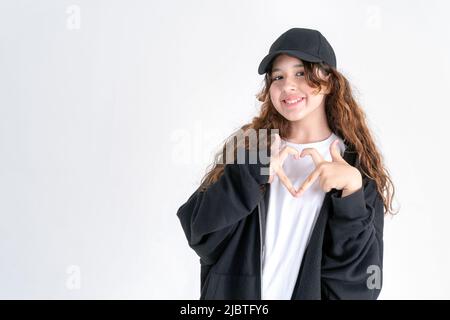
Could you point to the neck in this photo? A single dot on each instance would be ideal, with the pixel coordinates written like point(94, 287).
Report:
point(313, 128)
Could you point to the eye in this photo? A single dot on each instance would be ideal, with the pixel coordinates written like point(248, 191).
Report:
point(302, 73)
point(276, 78)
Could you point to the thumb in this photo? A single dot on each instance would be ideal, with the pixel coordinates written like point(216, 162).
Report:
point(335, 152)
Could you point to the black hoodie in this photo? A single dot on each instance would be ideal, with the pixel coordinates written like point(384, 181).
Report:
point(225, 226)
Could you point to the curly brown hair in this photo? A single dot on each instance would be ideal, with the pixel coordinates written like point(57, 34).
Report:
point(344, 116)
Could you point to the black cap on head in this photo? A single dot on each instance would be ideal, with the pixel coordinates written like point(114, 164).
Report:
point(305, 44)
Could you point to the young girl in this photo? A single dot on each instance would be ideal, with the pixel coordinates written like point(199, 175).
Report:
point(259, 237)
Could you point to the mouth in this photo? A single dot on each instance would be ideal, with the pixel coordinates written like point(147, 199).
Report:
point(293, 103)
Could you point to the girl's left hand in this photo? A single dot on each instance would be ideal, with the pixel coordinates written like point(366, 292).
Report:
point(336, 174)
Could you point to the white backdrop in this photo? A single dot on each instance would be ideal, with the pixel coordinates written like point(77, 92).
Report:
point(110, 112)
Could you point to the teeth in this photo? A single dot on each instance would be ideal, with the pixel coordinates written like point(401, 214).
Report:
point(293, 101)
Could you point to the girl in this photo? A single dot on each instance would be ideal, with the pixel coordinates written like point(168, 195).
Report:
point(257, 236)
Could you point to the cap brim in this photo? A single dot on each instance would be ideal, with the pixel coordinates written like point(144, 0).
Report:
point(298, 54)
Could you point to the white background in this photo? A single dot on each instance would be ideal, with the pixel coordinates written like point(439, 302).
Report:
point(110, 112)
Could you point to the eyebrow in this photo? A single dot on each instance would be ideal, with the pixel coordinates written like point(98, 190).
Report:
point(295, 66)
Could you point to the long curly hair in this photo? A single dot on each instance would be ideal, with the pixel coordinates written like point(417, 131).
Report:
point(344, 116)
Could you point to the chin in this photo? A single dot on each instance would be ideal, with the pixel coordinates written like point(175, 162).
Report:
point(295, 117)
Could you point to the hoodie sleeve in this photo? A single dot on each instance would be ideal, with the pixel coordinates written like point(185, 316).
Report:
point(353, 247)
point(209, 217)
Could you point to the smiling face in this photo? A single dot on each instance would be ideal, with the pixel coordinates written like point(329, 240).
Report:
point(289, 92)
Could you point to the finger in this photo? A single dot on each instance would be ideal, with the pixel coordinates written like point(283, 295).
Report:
point(286, 182)
point(309, 181)
point(335, 152)
point(289, 150)
point(315, 155)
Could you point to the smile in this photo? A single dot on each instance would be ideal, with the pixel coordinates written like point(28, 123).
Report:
point(293, 103)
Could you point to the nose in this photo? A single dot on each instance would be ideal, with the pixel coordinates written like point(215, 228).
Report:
point(289, 84)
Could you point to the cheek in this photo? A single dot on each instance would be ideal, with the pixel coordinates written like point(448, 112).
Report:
point(305, 88)
point(274, 95)
point(315, 101)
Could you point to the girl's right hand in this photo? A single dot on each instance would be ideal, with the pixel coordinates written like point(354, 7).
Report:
point(277, 158)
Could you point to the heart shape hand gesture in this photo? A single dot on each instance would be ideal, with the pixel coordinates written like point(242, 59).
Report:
point(337, 174)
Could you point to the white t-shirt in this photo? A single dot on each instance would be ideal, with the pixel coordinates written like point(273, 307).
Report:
point(290, 221)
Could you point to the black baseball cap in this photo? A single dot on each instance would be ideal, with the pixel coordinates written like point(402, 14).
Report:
point(305, 44)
